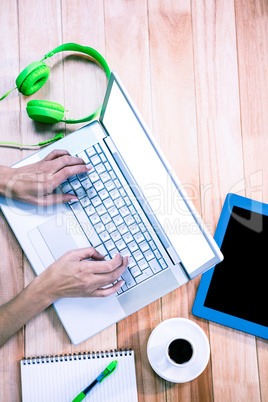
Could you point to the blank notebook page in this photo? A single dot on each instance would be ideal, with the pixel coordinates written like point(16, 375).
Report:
point(62, 378)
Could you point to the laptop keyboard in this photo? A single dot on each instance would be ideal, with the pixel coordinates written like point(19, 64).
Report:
point(117, 224)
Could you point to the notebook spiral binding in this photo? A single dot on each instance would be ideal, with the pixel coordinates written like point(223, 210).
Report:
point(77, 356)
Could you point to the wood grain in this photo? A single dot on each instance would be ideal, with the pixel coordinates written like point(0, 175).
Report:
point(11, 269)
point(197, 71)
point(174, 123)
point(220, 150)
point(127, 49)
point(252, 45)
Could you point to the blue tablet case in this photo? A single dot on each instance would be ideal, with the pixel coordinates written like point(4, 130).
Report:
point(234, 292)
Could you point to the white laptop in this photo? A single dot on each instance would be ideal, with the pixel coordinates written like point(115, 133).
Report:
point(130, 202)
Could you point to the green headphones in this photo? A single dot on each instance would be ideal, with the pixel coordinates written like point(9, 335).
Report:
point(33, 77)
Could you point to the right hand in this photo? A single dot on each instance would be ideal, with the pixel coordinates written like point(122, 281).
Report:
point(73, 276)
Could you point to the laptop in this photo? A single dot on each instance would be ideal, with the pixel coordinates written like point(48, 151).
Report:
point(129, 202)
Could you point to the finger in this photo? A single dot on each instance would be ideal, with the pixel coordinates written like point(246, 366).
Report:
point(108, 291)
point(65, 160)
point(107, 271)
point(108, 267)
point(53, 199)
point(84, 253)
point(55, 154)
point(94, 254)
point(106, 278)
point(116, 262)
point(68, 160)
point(68, 171)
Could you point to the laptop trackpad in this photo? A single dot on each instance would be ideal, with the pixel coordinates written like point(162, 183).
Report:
point(53, 239)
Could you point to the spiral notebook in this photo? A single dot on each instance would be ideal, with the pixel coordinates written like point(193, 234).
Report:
point(62, 378)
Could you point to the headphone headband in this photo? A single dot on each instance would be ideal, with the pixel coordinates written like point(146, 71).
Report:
point(33, 77)
point(75, 47)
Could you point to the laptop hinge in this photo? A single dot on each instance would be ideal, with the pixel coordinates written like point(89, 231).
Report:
point(104, 129)
point(185, 270)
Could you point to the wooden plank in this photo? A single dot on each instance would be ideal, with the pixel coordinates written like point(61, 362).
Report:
point(174, 123)
point(127, 50)
point(221, 171)
point(262, 347)
point(84, 82)
point(11, 283)
point(84, 86)
point(173, 96)
point(44, 334)
point(34, 44)
point(11, 270)
point(252, 42)
point(252, 50)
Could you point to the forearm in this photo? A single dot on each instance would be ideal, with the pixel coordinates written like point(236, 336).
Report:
point(26, 305)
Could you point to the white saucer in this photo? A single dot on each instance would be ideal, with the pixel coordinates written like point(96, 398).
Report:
point(160, 339)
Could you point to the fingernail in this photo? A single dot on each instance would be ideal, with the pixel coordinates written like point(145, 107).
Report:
point(89, 167)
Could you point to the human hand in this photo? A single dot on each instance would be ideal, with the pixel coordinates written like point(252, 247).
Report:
point(69, 276)
point(73, 276)
point(35, 183)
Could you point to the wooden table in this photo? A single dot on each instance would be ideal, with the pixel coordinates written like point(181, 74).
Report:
point(198, 72)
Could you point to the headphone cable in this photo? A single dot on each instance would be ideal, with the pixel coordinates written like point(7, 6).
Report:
point(39, 145)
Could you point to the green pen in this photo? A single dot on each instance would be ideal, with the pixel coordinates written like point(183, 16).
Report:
point(109, 369)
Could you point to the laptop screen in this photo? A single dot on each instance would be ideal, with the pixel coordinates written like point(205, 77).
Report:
point(126, 128)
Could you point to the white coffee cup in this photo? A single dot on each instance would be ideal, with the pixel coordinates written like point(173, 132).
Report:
point(178, 350)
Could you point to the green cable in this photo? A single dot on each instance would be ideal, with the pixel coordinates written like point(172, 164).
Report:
point(40, 144)
point(3, 97)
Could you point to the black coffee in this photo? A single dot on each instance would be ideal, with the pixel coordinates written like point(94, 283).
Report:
point(180, 351)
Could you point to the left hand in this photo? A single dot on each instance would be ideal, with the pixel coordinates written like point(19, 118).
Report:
point(35, 183)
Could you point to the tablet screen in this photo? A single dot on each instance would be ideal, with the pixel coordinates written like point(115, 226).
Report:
point(239, 284)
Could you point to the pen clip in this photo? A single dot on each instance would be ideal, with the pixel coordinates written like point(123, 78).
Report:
point(109, 370)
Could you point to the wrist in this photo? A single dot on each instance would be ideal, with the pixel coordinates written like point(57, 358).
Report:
point(6, 174)
point(39, 292)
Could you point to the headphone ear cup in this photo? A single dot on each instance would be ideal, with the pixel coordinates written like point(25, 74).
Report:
point(45, 111)
point(32, 78)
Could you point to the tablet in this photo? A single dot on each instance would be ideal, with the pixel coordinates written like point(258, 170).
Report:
point(234, 292)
